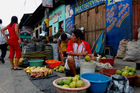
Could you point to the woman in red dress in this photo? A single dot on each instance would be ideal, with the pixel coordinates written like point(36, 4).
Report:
point(13, 42)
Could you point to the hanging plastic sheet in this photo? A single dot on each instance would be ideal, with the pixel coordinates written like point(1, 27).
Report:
point(99, 44)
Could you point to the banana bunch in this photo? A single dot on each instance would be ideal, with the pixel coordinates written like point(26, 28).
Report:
point(38, 71)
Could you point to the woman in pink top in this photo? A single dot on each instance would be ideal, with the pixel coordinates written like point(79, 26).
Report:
point(13, 41)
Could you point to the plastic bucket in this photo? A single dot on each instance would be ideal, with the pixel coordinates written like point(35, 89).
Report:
point(87, 67)
point(36, 62)
point(99, 82)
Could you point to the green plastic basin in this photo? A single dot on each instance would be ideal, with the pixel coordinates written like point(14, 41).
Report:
point(36, 62)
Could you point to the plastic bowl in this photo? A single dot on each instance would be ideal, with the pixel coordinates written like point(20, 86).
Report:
point(99, 82)
point(53, 63)
point(36, 62)
point(61, 89)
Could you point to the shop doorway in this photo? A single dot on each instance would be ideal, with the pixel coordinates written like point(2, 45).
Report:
point(61, 26)
point(136, 18)
point(93, 21)
point(36, 33)
point(50, 30)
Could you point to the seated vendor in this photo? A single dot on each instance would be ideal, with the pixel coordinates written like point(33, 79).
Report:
point(62, 46)
point(76, 50)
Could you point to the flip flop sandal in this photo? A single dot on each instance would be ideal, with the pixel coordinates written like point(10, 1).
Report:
point(17, 68)
point(12, 68)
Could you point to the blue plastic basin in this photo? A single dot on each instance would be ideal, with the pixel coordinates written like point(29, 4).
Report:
point(99, 82)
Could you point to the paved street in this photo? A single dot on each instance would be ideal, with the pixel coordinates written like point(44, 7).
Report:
point(18, 82)
point(15, 81)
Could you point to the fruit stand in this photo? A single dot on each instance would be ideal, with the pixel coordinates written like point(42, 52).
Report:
point(54, 73)
point(130, 74)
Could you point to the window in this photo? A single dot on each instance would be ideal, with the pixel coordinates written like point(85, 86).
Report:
point(36, 33)
point(40, 30)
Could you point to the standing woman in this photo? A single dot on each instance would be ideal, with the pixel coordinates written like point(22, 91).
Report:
point(13, 42)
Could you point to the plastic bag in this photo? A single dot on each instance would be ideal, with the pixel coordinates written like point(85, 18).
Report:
point(119, 84)
point(100, 66)
point(139, 33)
point(25, 63)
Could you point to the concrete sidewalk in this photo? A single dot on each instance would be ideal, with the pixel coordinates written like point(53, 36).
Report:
point(15, 81)
point(12, 81)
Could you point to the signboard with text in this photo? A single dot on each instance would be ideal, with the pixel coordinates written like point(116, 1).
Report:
point(118, 22)
point(69, 13)
point(86, 4)
point(47, 3)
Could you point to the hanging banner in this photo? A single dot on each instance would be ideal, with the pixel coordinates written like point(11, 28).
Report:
point(69, 13)
point(47, 22)
point(47, 3)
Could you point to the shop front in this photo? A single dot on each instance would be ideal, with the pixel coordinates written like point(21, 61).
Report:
point(57, 20)
point(113, 16)
point(25, 33)
point(90, 14)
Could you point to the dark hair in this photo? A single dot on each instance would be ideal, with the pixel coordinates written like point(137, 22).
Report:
point(0, 21)
point(78, 33)
point(63, 36)
point(14, 19)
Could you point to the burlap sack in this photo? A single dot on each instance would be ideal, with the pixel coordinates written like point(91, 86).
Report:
point(122, 48)
point(133, 51)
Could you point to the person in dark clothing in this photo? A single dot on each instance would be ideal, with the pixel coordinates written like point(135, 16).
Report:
point(3, 44)
point(62, 45)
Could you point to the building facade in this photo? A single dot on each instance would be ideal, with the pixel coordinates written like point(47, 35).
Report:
point(112, 16)
point(118, 22)
point(57, 20)
point(118, 18)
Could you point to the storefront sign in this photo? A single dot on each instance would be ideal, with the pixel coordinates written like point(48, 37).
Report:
point(55, 18)
point(47, 3)
point(119, 23)
point(86, 4)
point(26, 31)
point(69, 18)
point(123, 12)
point(110, 2)
point(118, 0)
